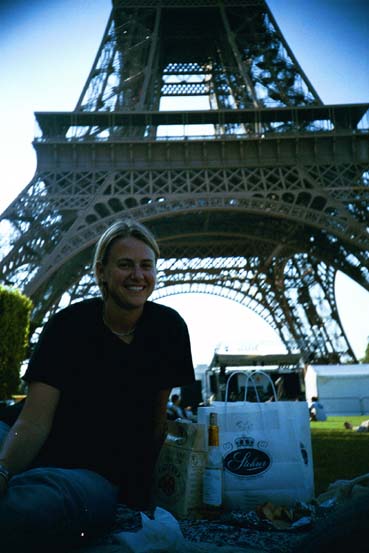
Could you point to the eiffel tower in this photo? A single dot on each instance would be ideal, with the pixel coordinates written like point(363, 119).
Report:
point(259, 193)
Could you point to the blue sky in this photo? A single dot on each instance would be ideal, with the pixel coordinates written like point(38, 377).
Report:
point(47, 49)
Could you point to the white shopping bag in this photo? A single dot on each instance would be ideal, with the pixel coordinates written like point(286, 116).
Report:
point(266, 448)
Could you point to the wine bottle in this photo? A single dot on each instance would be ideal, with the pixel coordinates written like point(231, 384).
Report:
point(213, 471)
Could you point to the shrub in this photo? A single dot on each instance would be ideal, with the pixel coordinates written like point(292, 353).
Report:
point(15, 314)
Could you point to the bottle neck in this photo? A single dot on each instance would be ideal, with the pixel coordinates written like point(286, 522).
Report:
point(213, 436)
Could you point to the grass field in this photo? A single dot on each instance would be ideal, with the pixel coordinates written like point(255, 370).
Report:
point(338, 454)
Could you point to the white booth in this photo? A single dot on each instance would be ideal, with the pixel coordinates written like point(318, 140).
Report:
point(342, 389)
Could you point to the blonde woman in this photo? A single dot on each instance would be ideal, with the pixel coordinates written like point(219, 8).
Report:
point(94, 419)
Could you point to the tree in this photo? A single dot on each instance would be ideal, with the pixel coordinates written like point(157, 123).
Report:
point(15, 314)
point(365, 359)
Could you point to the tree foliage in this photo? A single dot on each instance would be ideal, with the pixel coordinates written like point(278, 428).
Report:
point(15, 314)
point(365, 359)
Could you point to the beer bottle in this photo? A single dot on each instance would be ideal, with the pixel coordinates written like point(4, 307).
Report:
point(213, 471)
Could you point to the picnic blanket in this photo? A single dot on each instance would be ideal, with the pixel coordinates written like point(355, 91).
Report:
point(270, 529)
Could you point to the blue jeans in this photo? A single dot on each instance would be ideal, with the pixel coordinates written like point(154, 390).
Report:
point(47, 508)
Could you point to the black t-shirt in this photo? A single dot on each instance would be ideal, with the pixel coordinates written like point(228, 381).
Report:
point(104, 417)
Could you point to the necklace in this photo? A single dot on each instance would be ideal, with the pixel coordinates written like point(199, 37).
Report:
point(120, 334)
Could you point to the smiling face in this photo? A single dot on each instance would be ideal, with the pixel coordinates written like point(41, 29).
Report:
point(129, 274)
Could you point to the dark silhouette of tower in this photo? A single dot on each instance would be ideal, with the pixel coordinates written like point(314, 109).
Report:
point(256, 190)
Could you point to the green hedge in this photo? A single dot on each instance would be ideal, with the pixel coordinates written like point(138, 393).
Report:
point(338, 454)
point(15, 314)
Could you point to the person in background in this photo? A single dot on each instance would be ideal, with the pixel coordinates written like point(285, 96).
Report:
point(90, 430)
point(317, 411)
point(174, 409)
point(363, 426)
point(190, 415)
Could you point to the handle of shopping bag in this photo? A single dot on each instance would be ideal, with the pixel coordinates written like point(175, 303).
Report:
point(250, 377)
point(247, 377)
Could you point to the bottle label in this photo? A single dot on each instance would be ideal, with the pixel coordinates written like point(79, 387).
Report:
point(212, 494)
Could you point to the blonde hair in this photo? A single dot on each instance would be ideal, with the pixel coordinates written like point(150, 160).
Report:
point(121, 229)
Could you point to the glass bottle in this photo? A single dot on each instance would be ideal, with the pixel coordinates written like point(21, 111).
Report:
point(213, 471)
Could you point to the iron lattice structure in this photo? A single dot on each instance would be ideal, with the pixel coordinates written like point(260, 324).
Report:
point(259, 193)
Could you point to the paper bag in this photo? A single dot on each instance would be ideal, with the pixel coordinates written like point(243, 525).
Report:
point(179, 470)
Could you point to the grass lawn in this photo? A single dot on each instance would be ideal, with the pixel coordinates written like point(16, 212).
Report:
point(338, 454)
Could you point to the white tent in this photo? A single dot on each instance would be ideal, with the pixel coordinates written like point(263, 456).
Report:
point(342, 389)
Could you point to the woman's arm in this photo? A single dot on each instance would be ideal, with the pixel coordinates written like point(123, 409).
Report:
point(160, 421)
point(31, 429)
point(159, 430)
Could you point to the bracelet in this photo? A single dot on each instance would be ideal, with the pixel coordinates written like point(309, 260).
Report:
point(5, 473)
